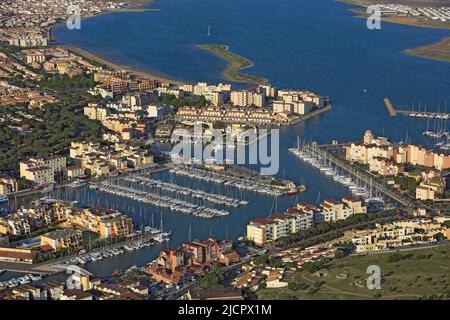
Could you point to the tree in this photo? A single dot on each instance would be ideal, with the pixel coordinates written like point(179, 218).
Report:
point(213, 279)
point(439, 236)
point(219, 125)
point(262, 261)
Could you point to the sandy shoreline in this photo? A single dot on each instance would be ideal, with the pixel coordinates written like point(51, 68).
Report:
point(97, 59)
point(236, 63)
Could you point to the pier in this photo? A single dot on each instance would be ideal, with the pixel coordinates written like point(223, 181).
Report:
point(187, 191)
point(364, 176)
point(159, 200)
point(411, 113)
point(326, 156)
point(236, 177)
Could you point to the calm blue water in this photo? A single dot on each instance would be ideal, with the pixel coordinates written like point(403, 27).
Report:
point(300, 44)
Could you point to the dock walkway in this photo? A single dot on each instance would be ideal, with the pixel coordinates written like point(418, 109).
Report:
point(420, 114)
point(363, 176)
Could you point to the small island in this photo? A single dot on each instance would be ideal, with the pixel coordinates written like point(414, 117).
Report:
point(437, 51)
point(236, 64)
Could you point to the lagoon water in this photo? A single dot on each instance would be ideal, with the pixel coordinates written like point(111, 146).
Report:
point(316, 45)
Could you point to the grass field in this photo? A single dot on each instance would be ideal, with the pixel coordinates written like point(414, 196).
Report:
point(235, 64)
point(413, 274)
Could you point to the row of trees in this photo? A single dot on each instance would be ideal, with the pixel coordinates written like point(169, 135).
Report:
point(63, 81)
point(192, 100)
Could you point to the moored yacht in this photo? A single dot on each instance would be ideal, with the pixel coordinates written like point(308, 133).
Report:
point(77, 184)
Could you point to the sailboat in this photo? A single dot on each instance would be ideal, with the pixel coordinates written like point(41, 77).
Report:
point(300, 188)
point(162, 236)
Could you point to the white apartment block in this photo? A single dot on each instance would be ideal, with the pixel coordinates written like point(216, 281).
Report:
point(246, 98)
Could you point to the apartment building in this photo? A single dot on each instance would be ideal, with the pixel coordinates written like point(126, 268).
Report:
point(103, 92)
point(164, 131)
point(357, 205)
point(105, 222)
point(263, 230)
point(74, 172)
point(385, 157)
point(267, 90)
point(245, 98)
point(301, 217)
point(100, 160)
point(425, 193)
point(215, 94)
point(28, 40)
point(296, 101)
point(94, 112)
point(37, 215)
point(17, 255)
point(8, 184)
point(40, 170)
point(191, 259)
point(116, 82)
point(68, 238)
point(32, 56)
point(385, 166)
point(235, 115)
point(158, 111)
point(396, 234)
point(295, 95)
point(136, 101)
point(296, 107)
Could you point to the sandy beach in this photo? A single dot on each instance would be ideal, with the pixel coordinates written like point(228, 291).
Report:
point(97, 59)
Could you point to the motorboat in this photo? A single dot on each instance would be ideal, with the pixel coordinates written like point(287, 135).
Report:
point(77, 184)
